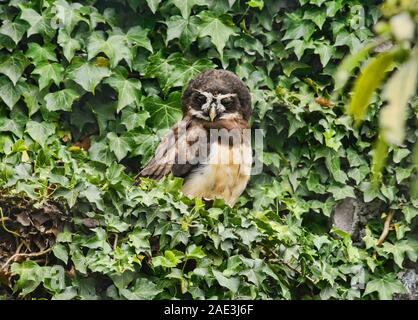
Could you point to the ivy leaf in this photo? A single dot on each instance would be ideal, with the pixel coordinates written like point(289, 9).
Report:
point(49, 72)
point(325, 52)
point(128, 90)
point(410, 213)
point(231, 283)
point(153, 5)
point(144, 289)
point(256, 4)
point(175, 70)
point(186, 30)
point(68, 44)
point(30, 276)
point(40, 131)
point(334, 166)
point(299, 28)
point(60, 252)
point(289, 67)
point(399, 251)
point(195, 252)
point(88, 75)
point(68, 15)
point(13, 66)
point(14, 30)
point(132, 119)
point(175, 27)
point(370, 191)
point(163, 113)
point(348, 39)
point(185, 6)
point(115, 48)
point(219, 29)
point(8, 92)
point(11, 125)
point(61, 100)
point(32, 97)
point(137, 36)
point(183, 72)
point(39, 53)
point(343, 192)
point(299, 47)
point(385, 286)
point(118, 145)
point(38, 23)
point(318, 16)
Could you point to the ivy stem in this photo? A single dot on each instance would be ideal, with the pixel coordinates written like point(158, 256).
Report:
point(3, 219)
point(385, 231)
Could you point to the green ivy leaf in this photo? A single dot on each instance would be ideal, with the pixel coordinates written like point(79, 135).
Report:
point(217, 28)
point(88, 75)
point(153, 5)
point(13, 66)
point(39, 53)
point(385, 286)
point(318, 16)
point(298, 28)
point(325, 52)
point(68, 15)
point(174, 71)
point(69, 45)
point(30, 276)
point(38, 23)
point(8, 92)
point(132, 119)
point(256, 4)
point(129, 90)
point(231, 283)
point(138, 37)
point(40, 131)
point(14, 30)
point(118, 145)
point(410, 213)
point(163, 113)
point(342, 192)
point(61, 100)
point(115, 47)
point(32, 97)
point(185, 6)
point(49, 72)
point(144, 289)
point(12, 125)
point(60, 252)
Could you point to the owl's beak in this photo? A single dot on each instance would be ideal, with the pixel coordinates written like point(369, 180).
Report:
point(212, 113)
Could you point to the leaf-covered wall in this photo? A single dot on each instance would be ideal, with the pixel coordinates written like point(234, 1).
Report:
point(86, 87)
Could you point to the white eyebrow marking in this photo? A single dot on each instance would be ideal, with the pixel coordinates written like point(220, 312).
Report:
point(218, 100)
point(223, 96)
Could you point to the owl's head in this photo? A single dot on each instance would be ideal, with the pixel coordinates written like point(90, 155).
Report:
point(217, 95)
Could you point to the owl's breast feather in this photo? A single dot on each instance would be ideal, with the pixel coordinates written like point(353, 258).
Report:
point(224, 175)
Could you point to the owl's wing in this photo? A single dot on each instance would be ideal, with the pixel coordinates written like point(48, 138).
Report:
point(177, 152)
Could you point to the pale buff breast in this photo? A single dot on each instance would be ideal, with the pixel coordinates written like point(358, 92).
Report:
point(225, 175)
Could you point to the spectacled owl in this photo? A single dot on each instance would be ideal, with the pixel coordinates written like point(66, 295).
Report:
point(211, 146)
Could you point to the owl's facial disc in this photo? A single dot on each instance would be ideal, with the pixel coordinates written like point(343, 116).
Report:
point(213, 105)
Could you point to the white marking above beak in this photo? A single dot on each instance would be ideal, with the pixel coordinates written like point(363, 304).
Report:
point(212, 113)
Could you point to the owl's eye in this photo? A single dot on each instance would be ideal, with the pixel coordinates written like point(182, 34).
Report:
point(200, 99)
point(227, 102)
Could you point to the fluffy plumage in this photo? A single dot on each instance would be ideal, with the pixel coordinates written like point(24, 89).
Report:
point(209, 147)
